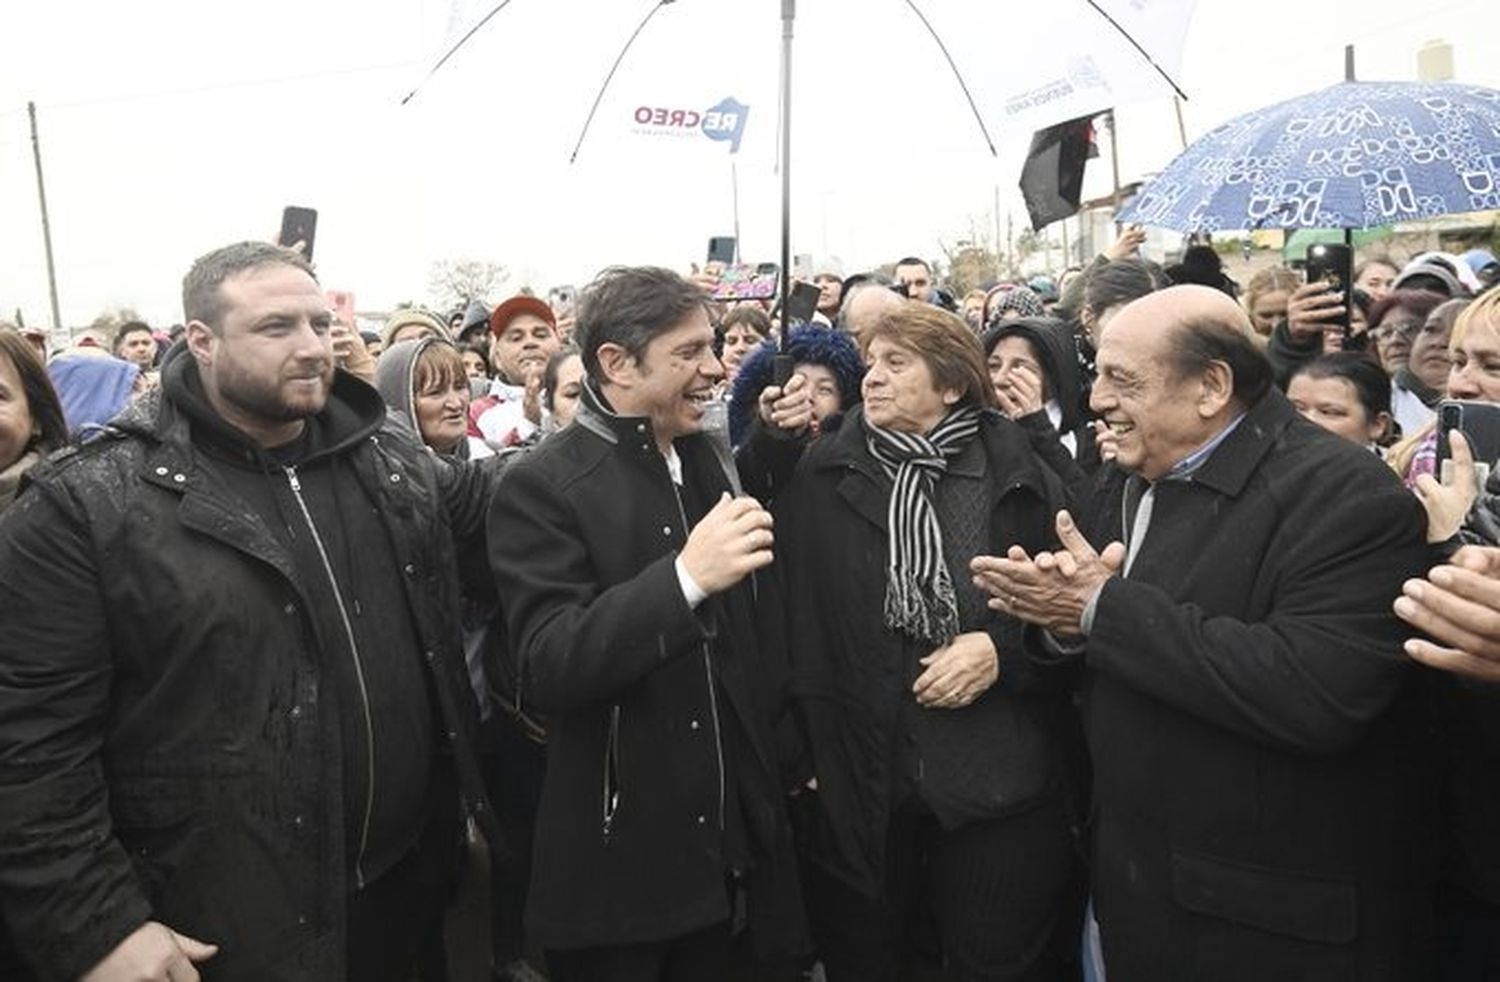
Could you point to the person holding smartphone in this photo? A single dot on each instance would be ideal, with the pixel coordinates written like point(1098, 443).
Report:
point(1456, 607)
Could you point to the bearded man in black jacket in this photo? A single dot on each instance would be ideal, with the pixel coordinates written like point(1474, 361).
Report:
point(233, 705)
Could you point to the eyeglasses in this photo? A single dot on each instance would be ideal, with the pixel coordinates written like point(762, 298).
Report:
point(1400, 329)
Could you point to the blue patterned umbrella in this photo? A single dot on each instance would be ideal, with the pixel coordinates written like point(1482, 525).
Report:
point(1354, 155)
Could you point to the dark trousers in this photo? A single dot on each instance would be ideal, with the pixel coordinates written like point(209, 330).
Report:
point(513, 770)
point(394, 922)
point(701, 956)
point(999, 899)
point(1468, 936)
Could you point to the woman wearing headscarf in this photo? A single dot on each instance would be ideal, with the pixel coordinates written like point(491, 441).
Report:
point(1032, 365)
point(935, 755)
point(1009, 302)
point(425, 383)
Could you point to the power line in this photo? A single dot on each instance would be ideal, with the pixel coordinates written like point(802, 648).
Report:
point(217, 87)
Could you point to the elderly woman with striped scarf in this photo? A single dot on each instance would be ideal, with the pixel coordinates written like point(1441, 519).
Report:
point(937, 761)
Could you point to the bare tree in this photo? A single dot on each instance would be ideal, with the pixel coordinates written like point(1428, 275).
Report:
point(453, 283)
point(973, 262)
point(1028, 243)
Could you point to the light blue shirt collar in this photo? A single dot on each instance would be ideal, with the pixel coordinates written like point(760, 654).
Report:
point(1187, 466)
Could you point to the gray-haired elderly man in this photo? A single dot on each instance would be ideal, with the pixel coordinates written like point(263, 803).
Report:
point(232, 688)
point(1262, 777)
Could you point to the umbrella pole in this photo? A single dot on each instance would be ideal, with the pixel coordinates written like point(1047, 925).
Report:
point(1349, 77)
point(788, 17)
point(734, 190)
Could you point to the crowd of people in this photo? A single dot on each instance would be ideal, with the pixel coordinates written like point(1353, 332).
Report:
point(1128, 625)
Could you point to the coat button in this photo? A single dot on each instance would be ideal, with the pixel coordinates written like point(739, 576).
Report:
point(302, 920)
point(640, 427)
point(295, 712)
point(693, 725)
point(429, 654)
point(179, 478)
point(289, 609)
point(161, 472)
point(666, 530)
point(702, 819)
point(395, 478)
point(410, 569)
point(296, 821)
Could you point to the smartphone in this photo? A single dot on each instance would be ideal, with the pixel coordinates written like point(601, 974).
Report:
point(298, 225)
point(1333, 263)
point(1480, 424)
point(802, 303)
point(721, 249)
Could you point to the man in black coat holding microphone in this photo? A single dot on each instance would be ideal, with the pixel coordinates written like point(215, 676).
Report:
point(625, 560)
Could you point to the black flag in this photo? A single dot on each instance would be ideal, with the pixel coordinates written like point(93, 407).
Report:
point(1052, 179)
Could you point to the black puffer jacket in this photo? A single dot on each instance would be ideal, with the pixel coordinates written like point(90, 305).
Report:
point(169, 746)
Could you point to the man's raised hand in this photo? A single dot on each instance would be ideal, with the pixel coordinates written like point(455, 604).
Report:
point(1054, 588)
point(732, 541)
point(789, 410)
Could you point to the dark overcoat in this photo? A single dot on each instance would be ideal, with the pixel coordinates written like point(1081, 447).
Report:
point(1005, 752)
point(643, 761)
point(1263, 777)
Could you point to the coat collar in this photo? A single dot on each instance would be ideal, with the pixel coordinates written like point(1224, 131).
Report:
point(1229, 468)
point(635, 432)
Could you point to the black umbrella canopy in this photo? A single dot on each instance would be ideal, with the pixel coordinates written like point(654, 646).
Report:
point(1052, 177)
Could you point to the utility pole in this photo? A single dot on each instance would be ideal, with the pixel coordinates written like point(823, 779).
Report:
point(41, 192)
point(1010, 243)
point(998, 237)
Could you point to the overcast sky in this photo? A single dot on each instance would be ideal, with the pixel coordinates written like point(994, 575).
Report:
point(170, 127)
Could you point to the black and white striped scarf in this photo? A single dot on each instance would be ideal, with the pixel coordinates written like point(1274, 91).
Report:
point(919, 597)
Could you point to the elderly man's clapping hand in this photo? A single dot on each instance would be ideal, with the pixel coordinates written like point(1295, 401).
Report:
point(1052, 589)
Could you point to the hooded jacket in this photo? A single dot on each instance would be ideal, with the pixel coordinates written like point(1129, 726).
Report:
point(396, 381)
point(1058, 352)
point(179, 678)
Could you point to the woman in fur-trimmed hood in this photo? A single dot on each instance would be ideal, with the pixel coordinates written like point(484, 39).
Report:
point(836, 370)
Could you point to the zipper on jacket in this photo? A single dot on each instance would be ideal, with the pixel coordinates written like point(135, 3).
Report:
point(359, 675)
point(708, 676)
point(611, 772)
